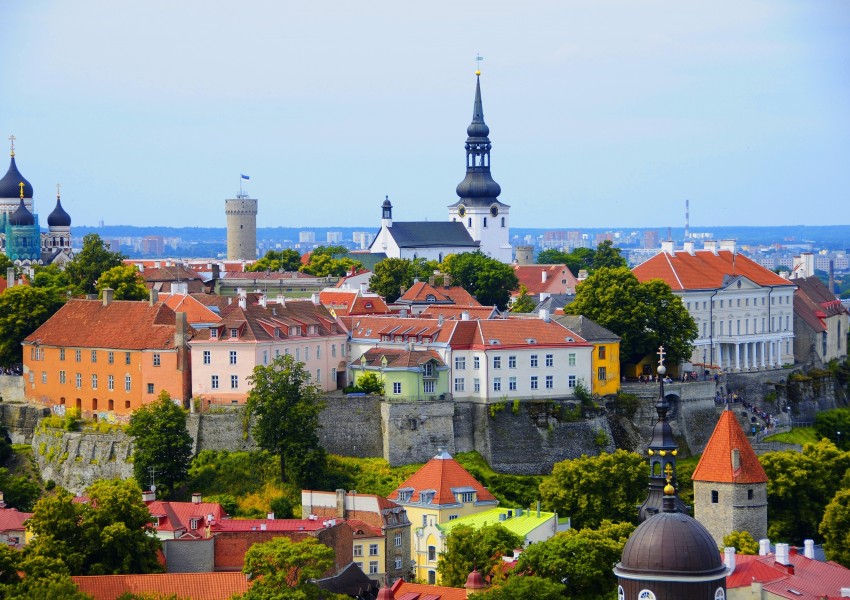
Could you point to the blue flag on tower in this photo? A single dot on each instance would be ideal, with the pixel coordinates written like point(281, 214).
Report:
point(244, 176)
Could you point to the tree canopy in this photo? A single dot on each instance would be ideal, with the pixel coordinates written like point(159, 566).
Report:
point(829, 423)
point(277, 260)
point(162, 443)
point(488, 279)
point(524, 303)
point(468, 548)
point(605, 255)
point(389, 276)
point(286, 407)
point(835, 528)
point(742, 541)
point(95, 258)
point(645, 315)
point(591, 489)
point(126, 282)
point(524, 587)
point(608, 257)
point(23, 309)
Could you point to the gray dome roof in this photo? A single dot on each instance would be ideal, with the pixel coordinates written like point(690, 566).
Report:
point(22, 216)
point(10, 185)
point(478, 184)
point(59, 218)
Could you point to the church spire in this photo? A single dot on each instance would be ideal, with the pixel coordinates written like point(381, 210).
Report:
point(478, 187)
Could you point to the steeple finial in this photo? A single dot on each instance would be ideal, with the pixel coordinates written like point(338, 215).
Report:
point(58, 190)
point(12, 139)
point(478, 59)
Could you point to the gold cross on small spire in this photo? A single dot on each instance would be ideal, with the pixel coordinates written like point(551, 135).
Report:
point(668, 470)
point(12, 139)
point(21, 185)
point(661, 355)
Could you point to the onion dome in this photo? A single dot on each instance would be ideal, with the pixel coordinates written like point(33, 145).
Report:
point(22, 216)
point(478, 187)
point(58, 218)
point(478, 128)
point(10, 185)
point(475, 581)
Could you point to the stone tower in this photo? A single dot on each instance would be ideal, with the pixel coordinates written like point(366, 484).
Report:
point(730, 485)
point(241, 227)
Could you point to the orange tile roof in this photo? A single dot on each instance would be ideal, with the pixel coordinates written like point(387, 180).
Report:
point(716, 462)
point(704, 270)
point(559, 279)
point(196, 311)
point(177, 516)
point(514, 332)
point(352, 302)
point(442, 474)
point(402, 590)
point(419, 292)
point(197, 586)
point(123, 324)
point(12, 520)
point(455, 312)
point(400, 358)
point(258, 323)
point(372, 327)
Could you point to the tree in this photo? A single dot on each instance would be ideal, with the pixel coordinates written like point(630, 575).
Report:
point(525, 587)
point(593, 488)
point(277, 260)
point(325, 265)
point(108, 535)
point(829, 423)
point(645, 315)
point(389, 276)
point(126, 282)
point(742, 541)
point(19, 491)
point(468, 548)
point(284, 570)
point(524, 302)
point(23, 309)
point(607, 256)
point(53, 279)
point(369, 383)
point(488, 279)
point(835, 528)
point(10, 560)
point(286, 406)
point(552, 256)
point(162, 442)
point(95, 258)
point(580, 558)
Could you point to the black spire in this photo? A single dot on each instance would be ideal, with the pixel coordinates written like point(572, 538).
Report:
point(478, 187)
point(662, 453)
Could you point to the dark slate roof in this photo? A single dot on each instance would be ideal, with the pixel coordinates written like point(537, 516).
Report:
point(10, 184)
point(589, 330)
point(554, 302)
point(351, 581)
point(423, 234)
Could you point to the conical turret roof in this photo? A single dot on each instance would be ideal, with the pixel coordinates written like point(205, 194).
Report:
point(718, 464)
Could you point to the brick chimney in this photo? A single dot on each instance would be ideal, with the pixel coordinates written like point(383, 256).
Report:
point(180, 340)
point(153, 297)
point(107, 296)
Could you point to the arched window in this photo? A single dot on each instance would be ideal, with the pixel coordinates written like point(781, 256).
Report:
point(646, 595)
point(720, 594)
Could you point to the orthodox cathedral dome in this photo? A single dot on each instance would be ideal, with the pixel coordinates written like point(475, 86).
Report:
point(59, 218)
point(22, 216)
point(10, 185)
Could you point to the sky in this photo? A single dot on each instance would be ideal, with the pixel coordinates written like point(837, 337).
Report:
point(602, 113)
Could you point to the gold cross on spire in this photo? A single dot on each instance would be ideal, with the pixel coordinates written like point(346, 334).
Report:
point(58, 189)
point(478, 59)
point(12, 139)
point(661, 355)
point(21, 185)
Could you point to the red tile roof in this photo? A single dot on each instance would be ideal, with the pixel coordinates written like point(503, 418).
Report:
point(814, 303)
point(442, 474)
point(362, 528)
point(420, 291)
point(716, 462)
point(512, 333)
point(196, 311)
point(400, 358)
point(704, 270)
point(123, 324)
point(169, 273)
point(352, 302)
point(811, 579)
point(455, 312)
point(197, 586)
point(374, 327)
point(281, 525)
point(258, 323)
point(12, 520)
point(178, 516)
point(403, 590)
point(559, 279)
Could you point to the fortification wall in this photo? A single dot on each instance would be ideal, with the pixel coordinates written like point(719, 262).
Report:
point(12, 388)
point(413, 431)
point(20, 420)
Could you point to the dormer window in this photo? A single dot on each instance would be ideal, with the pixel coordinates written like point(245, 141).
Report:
point(405, 495)
point(426, 497)
point(368, 305)
point(194, 522)
point(430, 298)
point(467, 496)
point(234, 332)
point(213, 333)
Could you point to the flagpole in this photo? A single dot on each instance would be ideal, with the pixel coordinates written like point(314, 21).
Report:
point(240, 185)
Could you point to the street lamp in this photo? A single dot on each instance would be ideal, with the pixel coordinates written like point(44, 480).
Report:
point(838, 434)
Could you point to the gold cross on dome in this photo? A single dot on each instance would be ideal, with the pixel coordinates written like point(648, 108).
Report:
point(21, 185)
point(12, 139)
point(58, 189)
point(661, 355)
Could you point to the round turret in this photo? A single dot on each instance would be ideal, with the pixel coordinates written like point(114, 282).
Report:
point(22, 216)
point(10, 185)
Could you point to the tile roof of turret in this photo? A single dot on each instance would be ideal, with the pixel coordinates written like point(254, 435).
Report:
point(716, 462)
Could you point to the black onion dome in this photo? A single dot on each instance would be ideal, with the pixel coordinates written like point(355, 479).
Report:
point(59, 218)
point(386, 203)
point(22, 216)
point(671, 543)
point(478, 184)
point(10, 185)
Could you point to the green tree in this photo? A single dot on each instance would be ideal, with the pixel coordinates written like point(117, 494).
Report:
point(95, 258)
point(283, 570)
point(835, 528)
point(389, 276)
point(10, 560)
point(488, 279)
point(525, 587)
point(644, 315)
point(829, 423)
point(23, 309)
point(125, 280)
point(19, 491)
point(799, 487)
point(552, 257)
point(369, 383)
point(332, 251)
point(277, 260)
point(607, 256)
point(468, 548)
point(591, 489)
point(54, 279)
point(524, 303)
point(742, 541)
point(583, 559)
point(325, 265)
point(286, 406)
point(162, 442)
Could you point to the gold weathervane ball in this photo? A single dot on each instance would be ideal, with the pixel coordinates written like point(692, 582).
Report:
point(669, 490)
point(477, 72)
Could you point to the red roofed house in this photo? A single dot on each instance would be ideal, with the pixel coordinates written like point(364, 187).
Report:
point(785, 575)
point(743, 311)
point(12, 530)
point(730, 485)
point(545, 279)
point(458, 313)
point(440, 491)
point(403, 590)
point(349, 301)
point(197, 586)
point(820, 323)
point(108, 358)
point(423, 294)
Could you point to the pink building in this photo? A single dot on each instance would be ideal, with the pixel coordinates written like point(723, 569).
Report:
point(224, 356)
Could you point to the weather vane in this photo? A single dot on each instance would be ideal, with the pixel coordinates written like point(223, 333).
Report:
point(478, 59)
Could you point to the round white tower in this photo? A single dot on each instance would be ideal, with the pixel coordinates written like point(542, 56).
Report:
point(241, 227)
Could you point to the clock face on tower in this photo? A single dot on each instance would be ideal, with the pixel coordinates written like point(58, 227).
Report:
point(461, 211)
point(494, 210)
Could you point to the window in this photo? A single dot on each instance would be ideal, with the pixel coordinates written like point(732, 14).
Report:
point(373, 549)
point(497, 362)
point(429, 386)
point(396, 387)
point(550, 382)
point(78, 355)
point(233, 357)
point(571, 359)
point(94, 382)
point(601, 352)
point(61, 376)
point(571, 381)
point(512, 362)
point(306, 352)
point(373, 567)
point(467, 496)
point(207, 358)
point(319, 376)
point(44, 377)
point(214, 382)
point(602, 374)
point(485, 221)
point(476, 362)
point(234, 382)
point(646, 595)
point(533, 361)
point(714, 497)
point(126, 358)
point(128, 383)
point(94, 356)
point(749, 494)
point(61, 353)
point(404, 496)
point(110, 358)
point(213, 333)
point(497, 384)
point(534, 382)
point(156, 359)
point(398, 562)
point(432, 575)
point(79, 380)
point(110, 382)
point(298, 355)
point(333, 375)
point(234, 332)
point(476, 385)
point(432, 553)
point(452, 517)
point(460, 363)
point(512, 383)
point(150, 388)
point(550, 360)
point(318, 352)
point(398, 539)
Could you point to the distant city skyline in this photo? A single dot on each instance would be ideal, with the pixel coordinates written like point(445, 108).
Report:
point(601, 114)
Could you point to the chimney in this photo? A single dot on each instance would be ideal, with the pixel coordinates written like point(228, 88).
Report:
point(148, 496)
point(782, 554)
point(845, 592)
point(10, 277)
point(764, 547)
point(243, 302)
point(544, 275)
point(180, 330)
point(314, 298)
point(668, 247)
point(180, 287)
point(216, 271)
point(728, 245)
point(544, 315)
point(153, 297)
point(401, 291)
point(157, 264)
point(729, 559)
point(440, 320)
point(464, 316)
point(107, 296)
point(340, 503)
point(403, 313)
point(447, 280)
point(432, 281)
point(809, 549)
point(689, 247)
point(281, 300)
point(736, 459)
point(270, 516)
point(262, 300)
point(710, 245)
point(362, 287)
point(196, 498)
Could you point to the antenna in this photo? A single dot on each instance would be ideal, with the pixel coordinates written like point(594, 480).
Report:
point(687, 219)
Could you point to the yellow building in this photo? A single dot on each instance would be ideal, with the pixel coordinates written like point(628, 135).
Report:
point(439, 492)
point(605, 366)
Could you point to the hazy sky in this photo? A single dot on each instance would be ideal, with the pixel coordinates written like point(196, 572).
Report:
point(601, 113)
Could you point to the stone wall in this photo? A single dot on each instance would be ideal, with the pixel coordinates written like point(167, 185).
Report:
point(351, 426)
point(413, 431)
point(20, 420)
point(12, 388)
